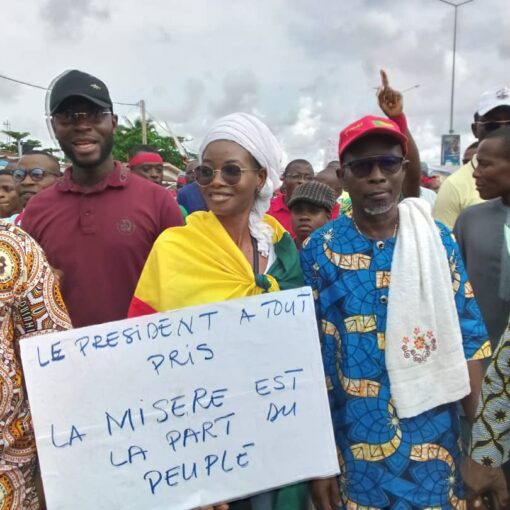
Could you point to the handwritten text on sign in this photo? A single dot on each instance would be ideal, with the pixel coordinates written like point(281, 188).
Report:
point(181, 409)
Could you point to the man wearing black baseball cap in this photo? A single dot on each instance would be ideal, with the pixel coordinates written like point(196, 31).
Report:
point(98, 223)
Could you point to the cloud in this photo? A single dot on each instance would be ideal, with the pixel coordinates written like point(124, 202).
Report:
point(308, 119)
point(307, 67)
point(240, 89)
point(183, 110)
point(10, 91)
point(65, 18)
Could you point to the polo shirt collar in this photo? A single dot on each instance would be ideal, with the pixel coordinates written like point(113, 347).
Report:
point(279, 203)
point(118, 178)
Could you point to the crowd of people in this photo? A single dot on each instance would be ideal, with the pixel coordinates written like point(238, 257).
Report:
point(413, 320)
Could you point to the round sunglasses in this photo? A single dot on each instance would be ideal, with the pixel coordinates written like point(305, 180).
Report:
point(36, 174)
point(230, 174)
point(361, 168)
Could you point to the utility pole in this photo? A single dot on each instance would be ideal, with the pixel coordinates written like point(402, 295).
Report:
point(7, 126)
point(144, 121)
point(452, 95)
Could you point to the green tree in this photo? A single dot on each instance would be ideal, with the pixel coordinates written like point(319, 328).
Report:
point(15, 138)
point(127, 136)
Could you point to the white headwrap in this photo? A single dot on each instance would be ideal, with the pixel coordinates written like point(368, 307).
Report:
point(254, 136)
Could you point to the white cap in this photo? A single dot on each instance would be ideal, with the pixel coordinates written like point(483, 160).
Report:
point(492, 99)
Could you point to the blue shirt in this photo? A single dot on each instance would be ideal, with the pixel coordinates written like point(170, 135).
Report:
point(191, 198)
point(386, 462)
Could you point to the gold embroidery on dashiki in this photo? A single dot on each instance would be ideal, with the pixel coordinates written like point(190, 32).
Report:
point(351, 262)
point(376, 452)
point(360, 323)
point(382, 279)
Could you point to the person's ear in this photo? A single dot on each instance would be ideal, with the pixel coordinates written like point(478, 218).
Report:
point(474, 130)
point(115, 121)
point(262, 178)
point(340, 173)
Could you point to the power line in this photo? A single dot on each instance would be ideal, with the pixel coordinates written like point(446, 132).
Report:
point(33, 85)
point(180, 147)
point(23, 82)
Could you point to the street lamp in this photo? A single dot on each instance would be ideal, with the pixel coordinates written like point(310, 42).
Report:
point(456, 6)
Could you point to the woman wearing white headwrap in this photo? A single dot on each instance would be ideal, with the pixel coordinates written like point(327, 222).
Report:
point(256, 138)
point(234, 250)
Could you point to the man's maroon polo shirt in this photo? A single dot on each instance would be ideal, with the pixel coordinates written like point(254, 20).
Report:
point(100, 238)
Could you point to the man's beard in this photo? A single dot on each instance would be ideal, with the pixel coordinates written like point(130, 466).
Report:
point(379, 209)
point(67, 149)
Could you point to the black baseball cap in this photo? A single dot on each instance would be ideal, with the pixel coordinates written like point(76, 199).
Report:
point(78, 83)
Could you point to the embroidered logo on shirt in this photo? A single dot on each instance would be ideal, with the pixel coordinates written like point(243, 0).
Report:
point(125, 226)
point(503, 93)
point(420, 346)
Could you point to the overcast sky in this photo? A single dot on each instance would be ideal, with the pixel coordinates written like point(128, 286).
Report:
point(307, 67)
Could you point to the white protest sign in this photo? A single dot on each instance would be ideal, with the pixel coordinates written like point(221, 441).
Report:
point(181, 409)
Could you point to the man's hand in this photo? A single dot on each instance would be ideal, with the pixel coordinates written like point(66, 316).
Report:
point(480, 479)
point(325, 493)
point(390, 100)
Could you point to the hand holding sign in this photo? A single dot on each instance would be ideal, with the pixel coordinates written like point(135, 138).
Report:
point(391, 101)
point(325, 493)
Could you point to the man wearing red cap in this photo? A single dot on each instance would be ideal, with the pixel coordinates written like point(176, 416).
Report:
point(397, 356)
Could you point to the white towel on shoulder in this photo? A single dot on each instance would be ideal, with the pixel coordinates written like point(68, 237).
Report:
point(424, 354)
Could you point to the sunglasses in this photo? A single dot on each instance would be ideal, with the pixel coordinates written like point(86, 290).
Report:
point(72, 117)
point(389, 165)
point(231, 174)
point(36, 174)
point(492, 125)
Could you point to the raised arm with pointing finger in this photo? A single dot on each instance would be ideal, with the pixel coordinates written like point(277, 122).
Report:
point(391, 103)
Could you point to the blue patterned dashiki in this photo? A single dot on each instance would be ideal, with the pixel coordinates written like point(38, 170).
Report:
point(387, 462)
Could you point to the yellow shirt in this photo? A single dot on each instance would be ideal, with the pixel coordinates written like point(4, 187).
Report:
point(456, 193)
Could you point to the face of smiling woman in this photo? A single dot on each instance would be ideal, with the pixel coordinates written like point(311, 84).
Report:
point(222, 198)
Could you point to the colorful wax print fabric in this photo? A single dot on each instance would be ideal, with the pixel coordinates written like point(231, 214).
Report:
point(386, 462)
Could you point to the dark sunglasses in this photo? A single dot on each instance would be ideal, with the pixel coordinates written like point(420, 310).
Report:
point(388, 165)
point(230, 173)
point(492, 125)
point(36, 174)
point(70, 116)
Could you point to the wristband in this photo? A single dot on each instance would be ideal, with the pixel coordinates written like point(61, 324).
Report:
point(401, 122)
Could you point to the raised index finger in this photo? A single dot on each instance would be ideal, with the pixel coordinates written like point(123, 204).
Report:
point(384, 79)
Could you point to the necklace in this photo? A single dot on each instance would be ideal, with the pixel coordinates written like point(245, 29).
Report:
point(395, 230)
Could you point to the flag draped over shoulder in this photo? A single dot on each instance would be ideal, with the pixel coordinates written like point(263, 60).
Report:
point(200, 263)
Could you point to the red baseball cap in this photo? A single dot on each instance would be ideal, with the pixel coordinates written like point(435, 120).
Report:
point(369, 125)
